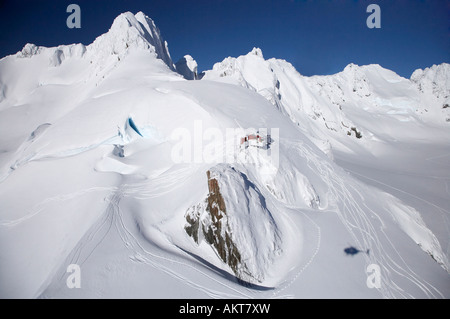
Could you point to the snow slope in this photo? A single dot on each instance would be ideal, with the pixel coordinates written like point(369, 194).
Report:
point(106, 154)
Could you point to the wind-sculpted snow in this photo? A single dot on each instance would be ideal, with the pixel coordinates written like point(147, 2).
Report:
point(187, 67)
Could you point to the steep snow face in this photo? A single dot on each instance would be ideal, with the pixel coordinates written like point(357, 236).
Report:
point(435, 80)
point(245, 70)
point(434, 85)
point(130, 32)
point(187, 67)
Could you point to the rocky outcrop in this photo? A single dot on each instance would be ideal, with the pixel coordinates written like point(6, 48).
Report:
point(216, 231)
point(241, 232)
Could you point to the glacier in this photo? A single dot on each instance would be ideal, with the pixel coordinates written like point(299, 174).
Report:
point(87, 175)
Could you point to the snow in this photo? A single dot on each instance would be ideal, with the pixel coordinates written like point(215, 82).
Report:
point(88, 174)
point(187, 67)
point(130, 32)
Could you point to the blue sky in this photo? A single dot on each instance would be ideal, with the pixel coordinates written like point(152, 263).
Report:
point(317, 37)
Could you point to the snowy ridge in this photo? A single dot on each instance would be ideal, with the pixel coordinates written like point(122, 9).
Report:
point(435, 80)
point(434, 85)
point(127, 33)
point(29, 50)
point(335, 102)
point(130, 32)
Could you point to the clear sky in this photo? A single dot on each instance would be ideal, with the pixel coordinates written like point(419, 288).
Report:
point(317, 37)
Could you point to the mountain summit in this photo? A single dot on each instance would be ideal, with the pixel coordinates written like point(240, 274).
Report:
point(128, 33)
point(132, 32)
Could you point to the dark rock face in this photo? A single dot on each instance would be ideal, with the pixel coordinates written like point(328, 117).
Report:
point(225, 247)
point(217, 233)
point(193, 222)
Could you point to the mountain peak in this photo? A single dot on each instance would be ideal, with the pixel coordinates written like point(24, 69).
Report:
point(132, 32)
point(257, 52)
point(351, 68)
point(441, 70)
point(435, 80)
point(370, 72)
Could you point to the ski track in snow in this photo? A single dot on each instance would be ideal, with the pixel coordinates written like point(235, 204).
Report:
point(40, 207)
point(442, 210)
point(445, 214)
point(140, 254)
point(362, 229)
point(355, 218)
point(106, 219)
point(306, 265)
point(113, 216)
point(158, 186)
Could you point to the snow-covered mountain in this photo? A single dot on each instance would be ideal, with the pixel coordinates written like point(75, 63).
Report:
point(331, 107)
point(363, 110)
point(157, 186)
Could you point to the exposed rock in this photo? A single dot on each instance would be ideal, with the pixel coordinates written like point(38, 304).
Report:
point(217, 231)
point(235, 230)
